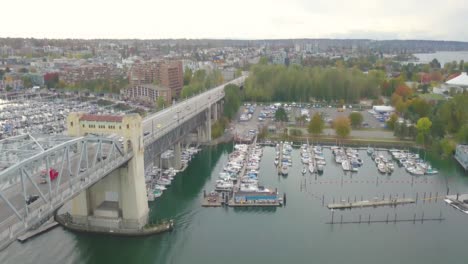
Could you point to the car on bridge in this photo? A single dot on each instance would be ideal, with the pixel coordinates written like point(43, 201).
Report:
point(53, 174)
point(31, 198)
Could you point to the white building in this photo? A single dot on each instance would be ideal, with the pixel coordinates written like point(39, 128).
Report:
point(457, 84)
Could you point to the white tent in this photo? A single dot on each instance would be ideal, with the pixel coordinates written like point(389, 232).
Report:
point(461, 80)
point(383, 108)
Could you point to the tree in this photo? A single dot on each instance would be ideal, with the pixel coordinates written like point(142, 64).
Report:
point(281, 115)
point(295, 132)
point(232, 100)
point(356, 119)
point(462, 134)
point(160, 103)
point(435, 64)
point(187, 75)
point(423, 127)
point(391, 121)
point(316, 125)
point(300, 120)
point(403, 91)
point(342, 126)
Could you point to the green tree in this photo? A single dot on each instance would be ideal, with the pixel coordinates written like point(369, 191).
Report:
point(187, 75)
point(232, 100)
point(160, 103)
point(316, 125)
point(356, 119)
point(342, 126)
point(462, 134)
point(281, 115)
point(391, 121)
point(423, 127)
point(447, 147)
point(295, 132)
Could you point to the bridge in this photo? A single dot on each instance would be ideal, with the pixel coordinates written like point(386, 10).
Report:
point(99, 166)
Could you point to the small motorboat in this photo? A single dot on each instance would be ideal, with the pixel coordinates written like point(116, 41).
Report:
point(304, 171)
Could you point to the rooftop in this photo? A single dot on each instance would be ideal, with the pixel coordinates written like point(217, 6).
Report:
point(101, 118)
point(460, 80)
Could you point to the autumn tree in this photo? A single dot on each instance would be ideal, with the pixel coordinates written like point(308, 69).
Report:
point(404, 91)
point(316, 125)
point(342, 126)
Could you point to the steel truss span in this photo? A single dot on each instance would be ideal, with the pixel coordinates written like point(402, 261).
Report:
point(42, 181)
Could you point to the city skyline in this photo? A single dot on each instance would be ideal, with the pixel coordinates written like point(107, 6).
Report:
point(208, 19)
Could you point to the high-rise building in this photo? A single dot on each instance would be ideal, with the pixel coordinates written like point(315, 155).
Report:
point(167, 74)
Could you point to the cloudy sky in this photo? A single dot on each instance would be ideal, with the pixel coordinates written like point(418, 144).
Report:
point(240, 19)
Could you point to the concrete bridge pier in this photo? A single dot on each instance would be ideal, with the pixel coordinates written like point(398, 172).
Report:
point(117, 203)
point(177, 156)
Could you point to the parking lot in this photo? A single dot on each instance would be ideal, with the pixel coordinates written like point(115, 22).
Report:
point(329, 114)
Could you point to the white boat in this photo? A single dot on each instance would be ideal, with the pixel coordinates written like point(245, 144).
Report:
point(276, 162)
point(311, 168)
point(346, 165)
point(431, 171)
point(163, 181)
point(157, 193)
point(304, 170)
point(224, 186)
point(415, 170)
point(160, 187)
point(284, 169)
point(382, 168)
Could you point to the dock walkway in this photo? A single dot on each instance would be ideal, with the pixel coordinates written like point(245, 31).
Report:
point(359, 204)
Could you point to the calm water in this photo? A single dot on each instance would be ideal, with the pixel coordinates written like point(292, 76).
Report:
point(297, 233)
point(443, 56)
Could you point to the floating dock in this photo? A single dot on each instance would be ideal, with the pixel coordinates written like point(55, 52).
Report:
point(42, 229)
point(392, 202)
point(212, 200)
point(256, 204)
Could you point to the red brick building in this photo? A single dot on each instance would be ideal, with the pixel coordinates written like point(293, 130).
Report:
point(167, 74)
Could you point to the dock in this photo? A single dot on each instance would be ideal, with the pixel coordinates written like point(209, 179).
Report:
point(212, 200)
point(360, 204)
point(42, 229)
point(232, 203)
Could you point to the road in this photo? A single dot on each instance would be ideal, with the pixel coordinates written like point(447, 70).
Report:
point(163, 121)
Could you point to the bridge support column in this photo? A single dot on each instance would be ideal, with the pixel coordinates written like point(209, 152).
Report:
point(177, 156)
point(117, 203)
point(215, 112)
point(208, 125)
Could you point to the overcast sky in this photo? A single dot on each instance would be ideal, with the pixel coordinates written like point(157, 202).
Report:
point(239, 19)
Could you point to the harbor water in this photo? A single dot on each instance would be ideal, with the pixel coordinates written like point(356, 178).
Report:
point(295, 233)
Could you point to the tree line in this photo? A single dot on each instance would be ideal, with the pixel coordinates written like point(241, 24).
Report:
point(303, 84)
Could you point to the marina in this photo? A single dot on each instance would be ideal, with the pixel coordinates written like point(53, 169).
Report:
point(238, 184)
point(242, 225)
point(158, 179)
